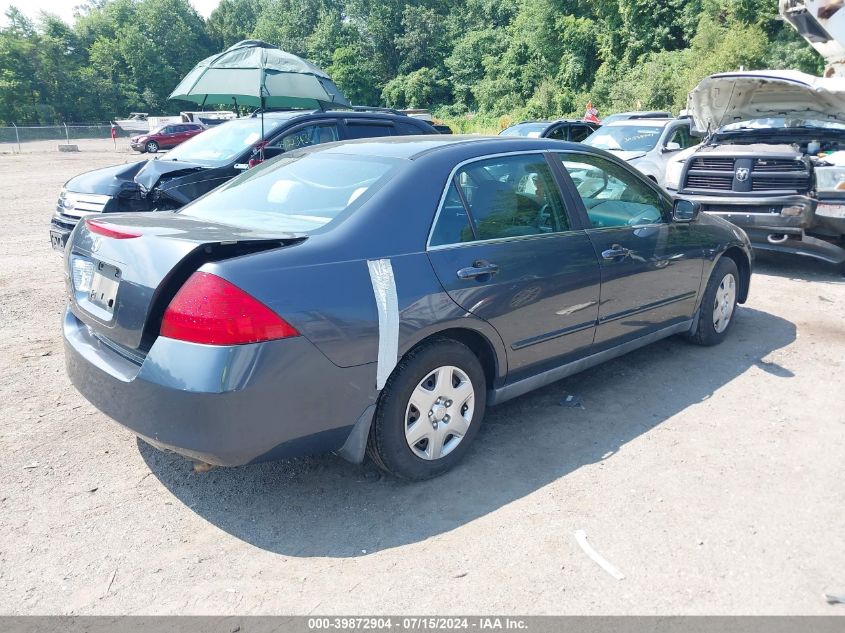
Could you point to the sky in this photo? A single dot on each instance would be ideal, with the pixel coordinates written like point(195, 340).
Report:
point(64, 8)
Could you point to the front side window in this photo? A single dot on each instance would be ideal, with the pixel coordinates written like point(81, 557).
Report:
point(612, 195)
point(682, 137)
point(500, 198)
point(559, 133)
point(307, 136)
point(299, 194)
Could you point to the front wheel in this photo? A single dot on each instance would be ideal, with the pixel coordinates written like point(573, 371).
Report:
point(718, 305)
point(429, 411)
point(151, 147)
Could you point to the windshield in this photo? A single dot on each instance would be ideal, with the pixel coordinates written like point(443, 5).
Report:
point(223, 143)
point(626, 138)
point(532, 130)
point(781, 123)
point(296, 194)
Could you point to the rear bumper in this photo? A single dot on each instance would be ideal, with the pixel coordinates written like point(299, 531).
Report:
point(770, 230)
point(226, 406)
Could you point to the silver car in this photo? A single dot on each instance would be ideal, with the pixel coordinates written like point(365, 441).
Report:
point(647, 144)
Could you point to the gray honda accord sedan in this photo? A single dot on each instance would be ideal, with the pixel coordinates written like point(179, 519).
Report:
point(375, 297)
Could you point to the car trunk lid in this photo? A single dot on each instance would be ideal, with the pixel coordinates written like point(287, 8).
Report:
point(122, 271)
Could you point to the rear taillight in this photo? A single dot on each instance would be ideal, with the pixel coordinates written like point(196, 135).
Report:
point(101, 227)
point(212, 311)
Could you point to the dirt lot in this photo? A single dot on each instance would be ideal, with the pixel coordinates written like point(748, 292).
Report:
point(714, 479)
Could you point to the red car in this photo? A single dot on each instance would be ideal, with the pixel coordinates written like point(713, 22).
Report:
point(165, 137)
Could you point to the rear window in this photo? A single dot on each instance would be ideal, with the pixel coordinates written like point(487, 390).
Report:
point(299, 194)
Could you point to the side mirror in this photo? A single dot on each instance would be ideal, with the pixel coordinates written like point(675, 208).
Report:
point(685, 210)
point(672, 147)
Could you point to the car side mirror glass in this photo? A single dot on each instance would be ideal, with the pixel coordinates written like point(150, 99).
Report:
point(672, 147)
point(685, 210)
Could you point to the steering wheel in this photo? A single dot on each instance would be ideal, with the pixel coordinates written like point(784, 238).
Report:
point(543, 221)
point(642, 218)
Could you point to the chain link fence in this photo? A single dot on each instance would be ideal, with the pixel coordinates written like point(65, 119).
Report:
point(32, 138)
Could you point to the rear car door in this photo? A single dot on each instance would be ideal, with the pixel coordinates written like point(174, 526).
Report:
point(507, 249)
point(651, 267)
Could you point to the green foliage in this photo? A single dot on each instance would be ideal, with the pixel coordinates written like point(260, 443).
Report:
point(481, 64)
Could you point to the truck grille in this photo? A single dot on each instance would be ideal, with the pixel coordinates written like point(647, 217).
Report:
point(748, 175)
point(710, 181)
point(713, 164)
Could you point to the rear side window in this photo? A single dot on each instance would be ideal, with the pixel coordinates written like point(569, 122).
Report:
point(410, 128)
point(298, 194)
point(501, 198)
point(368, 129)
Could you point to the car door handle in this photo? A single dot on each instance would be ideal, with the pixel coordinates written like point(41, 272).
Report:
point(478, 269)
point(615, 252)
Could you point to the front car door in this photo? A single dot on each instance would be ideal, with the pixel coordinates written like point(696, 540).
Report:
point(507, 249)
point(651, 267)
point(167, 138)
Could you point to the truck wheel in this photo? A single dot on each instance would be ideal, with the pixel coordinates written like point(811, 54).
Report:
point(718, 305)
point(429, 411)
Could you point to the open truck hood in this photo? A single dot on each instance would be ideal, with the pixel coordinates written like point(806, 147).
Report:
point(741, 96)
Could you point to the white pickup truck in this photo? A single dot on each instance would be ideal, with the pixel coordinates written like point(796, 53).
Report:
point(773, 158)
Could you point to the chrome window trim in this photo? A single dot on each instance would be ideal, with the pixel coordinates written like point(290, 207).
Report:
point(478, 159)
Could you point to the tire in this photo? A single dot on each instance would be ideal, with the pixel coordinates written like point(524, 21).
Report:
point(718, 306)
point(402, 407)
point(151, 147)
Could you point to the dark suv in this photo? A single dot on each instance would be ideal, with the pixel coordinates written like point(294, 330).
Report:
point(562, 129)
point(208, 160)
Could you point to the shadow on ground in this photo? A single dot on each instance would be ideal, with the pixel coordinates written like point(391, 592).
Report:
point(790, 266)
point(326, 507)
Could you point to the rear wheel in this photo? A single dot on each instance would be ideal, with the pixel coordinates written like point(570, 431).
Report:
point(429, 411)
point(151, 147)
point(718, 306)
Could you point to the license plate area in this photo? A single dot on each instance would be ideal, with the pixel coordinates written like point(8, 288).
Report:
point(95, 286)
point(57, 240)
point(104, 284)
point(831, 210)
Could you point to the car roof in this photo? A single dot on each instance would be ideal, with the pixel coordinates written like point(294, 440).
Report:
point(413, 147)
point(634, 122)
point(550, 122)
point(287, 115)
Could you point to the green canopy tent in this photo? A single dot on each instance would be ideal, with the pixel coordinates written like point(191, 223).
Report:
point(255, 73)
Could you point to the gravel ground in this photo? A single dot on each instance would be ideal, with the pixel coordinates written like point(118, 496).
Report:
point(714, 479)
